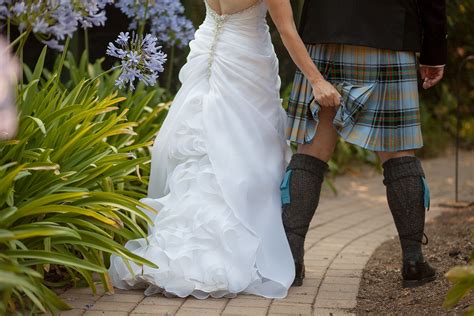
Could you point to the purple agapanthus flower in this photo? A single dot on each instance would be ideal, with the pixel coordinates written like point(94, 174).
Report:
point(165, 18)
point(54, 20)
point(141, 59)
point(5, 9)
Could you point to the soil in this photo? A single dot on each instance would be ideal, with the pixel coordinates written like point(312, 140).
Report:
point(450, 245)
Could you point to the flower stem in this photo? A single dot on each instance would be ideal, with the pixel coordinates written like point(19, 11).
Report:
point(8, 30)
point(59, 69)
point(86, 42)
point(141, 30)
point(170, 68)
point(22, 40)
point(102, 74)
point(63, 57)
point(18, 39)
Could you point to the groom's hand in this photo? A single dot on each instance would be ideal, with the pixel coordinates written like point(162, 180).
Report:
point(431, 75)
point(325, 94)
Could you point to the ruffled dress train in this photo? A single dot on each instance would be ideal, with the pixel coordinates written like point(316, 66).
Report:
point(217, 164)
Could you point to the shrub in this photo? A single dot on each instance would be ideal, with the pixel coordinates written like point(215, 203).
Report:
point(70, 184)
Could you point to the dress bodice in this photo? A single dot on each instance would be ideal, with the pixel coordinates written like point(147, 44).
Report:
point(258, 10)
point(246, 28)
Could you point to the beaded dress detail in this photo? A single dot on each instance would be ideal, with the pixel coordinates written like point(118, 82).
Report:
point(217, 164)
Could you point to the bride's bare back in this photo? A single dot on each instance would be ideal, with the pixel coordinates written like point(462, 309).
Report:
point(225, 7)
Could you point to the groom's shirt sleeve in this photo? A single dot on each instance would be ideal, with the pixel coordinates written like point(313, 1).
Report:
point(435, 32)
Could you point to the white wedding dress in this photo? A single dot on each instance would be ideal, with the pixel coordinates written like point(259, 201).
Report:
point(217, 164)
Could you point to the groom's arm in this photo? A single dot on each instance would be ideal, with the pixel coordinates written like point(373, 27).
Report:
point(434, 26)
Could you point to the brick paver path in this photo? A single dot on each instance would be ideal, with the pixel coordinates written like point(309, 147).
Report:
point(343, 235)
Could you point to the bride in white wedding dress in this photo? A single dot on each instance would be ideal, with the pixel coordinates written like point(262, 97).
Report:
point(217, 164)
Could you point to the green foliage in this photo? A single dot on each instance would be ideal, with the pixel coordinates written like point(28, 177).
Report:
point(435, 135)
point(440, 103)
point(463, 279)
point(71, 181)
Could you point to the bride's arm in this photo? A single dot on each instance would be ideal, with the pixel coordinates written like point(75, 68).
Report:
point(282, 15)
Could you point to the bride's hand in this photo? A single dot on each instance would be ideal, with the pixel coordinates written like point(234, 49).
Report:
point(282, 14)
point(325, 94)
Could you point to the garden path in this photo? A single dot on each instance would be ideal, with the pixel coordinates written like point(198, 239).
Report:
point(343, 235)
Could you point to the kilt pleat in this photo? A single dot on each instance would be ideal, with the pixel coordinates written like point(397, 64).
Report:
point(379, 107)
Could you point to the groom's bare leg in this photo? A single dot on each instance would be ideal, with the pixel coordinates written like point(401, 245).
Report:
point(302, 186)
point(324, 143)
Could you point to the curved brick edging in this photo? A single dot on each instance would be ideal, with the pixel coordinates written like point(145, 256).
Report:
point(343, 235)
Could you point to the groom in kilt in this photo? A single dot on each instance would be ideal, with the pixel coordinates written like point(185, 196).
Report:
point(368, 50)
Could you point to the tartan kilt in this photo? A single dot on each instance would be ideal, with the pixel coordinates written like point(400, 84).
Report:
point(380, 104)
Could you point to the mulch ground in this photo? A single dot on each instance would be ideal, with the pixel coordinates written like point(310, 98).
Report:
point(450, 245)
